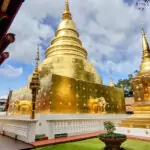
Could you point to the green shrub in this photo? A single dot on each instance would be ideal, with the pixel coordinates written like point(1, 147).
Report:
point(112, 135)
point(110, 127)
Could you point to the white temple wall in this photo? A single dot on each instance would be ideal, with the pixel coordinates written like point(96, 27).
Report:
point(19, 129)
point(74, 124)
point(51, 124)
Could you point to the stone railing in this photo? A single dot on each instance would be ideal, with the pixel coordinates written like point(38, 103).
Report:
point(23, 130)
point(82, 125)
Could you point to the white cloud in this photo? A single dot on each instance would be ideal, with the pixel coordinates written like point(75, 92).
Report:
point(109, 29)
point(11, 71)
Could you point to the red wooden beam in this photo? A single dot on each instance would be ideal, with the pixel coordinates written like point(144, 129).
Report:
point(6, 40)
point(3, 57)
point(11, 12)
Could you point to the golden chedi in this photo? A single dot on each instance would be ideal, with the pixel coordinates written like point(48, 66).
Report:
point(141, 83)
point(69, 83)
point(66, 56)
point(141, 88)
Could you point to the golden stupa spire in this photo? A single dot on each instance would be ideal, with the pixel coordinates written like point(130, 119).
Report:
point(66, 41)
point(66, 13)
point(145, 65)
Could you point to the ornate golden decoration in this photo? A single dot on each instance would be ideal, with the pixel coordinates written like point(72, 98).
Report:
point(35, 86)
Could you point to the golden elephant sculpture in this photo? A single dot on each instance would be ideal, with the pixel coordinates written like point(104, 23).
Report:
point(22, 107)
point(97, 105)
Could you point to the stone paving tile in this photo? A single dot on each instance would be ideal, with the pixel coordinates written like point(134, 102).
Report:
point(7, 143)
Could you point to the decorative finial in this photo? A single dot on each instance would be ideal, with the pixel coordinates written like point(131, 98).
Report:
point(66, 13)
point(143, 33)
point(37, 57)
point(67, 6)
point(145, 45)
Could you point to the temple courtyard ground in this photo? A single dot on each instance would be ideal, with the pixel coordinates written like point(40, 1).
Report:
point(96, 144)
point(80, 142)
point(7, 143)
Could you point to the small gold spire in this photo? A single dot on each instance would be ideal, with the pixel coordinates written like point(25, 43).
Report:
point(111, 79)
point(145, 65)
point(111, 82)
point(66, 13)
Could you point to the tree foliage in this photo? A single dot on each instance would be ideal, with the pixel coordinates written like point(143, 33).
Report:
point(109, 126)
point(126, 85)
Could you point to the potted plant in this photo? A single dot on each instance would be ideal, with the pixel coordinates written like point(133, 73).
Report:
point(112, 140)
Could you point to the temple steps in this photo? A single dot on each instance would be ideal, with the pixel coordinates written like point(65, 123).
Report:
point(145, 126)
point(136, 121)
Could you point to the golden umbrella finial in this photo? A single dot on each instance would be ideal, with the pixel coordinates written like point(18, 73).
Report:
point(66, 13)
point(35, 85)
point(37, 57)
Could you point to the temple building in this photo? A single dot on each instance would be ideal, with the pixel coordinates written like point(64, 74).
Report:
point(69, 82)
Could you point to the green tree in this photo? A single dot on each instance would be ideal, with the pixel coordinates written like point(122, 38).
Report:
point(125, 84)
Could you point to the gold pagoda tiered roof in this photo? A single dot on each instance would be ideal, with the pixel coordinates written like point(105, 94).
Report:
point(66, 39)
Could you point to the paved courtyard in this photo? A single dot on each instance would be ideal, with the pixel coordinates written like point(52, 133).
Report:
point(7, 143)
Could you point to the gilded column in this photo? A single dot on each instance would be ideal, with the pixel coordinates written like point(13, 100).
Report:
point(35, 86)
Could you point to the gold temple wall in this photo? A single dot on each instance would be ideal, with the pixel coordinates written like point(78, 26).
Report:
point(67, 95)
point(141, 88)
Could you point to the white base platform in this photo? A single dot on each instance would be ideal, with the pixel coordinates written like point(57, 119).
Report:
point(71, 124)
point(133, 131)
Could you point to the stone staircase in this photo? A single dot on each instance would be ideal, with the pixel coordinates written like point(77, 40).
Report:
point(136, 121)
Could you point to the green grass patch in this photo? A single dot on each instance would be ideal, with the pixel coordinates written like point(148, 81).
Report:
point(96, 144)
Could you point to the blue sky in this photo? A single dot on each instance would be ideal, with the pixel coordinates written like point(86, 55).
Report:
point(109, 30)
